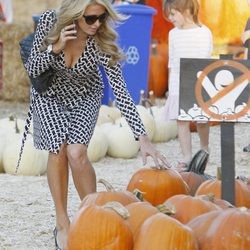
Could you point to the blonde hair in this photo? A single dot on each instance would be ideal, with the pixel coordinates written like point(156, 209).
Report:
point(106, 36)
point(182, 6)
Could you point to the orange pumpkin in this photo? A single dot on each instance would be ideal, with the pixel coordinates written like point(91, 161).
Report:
point(99, 227)
point(161, 26)
point(242, 191)
point(160, 232)
point(193, 127)
point(138, 213)
point(223, 230)
point(193, 180)
point(101, 198)
point(188, 207)
point(157, 184)
point(158, 69)
point(219, 202)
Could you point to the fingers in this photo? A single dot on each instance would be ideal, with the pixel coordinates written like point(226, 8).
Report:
point(68, 32)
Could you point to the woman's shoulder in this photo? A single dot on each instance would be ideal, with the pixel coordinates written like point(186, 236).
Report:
point(49, 15)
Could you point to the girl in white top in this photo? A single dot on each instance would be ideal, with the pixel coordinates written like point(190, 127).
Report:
point(188, 39)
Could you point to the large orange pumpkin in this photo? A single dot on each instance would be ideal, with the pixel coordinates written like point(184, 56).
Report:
point(157, 184)
point(99, 227)
point(223, 230)
point(161, 232)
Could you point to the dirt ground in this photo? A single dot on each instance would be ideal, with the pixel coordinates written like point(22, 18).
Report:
point(26, 209)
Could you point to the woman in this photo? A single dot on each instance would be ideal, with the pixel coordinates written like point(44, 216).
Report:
point(74, 41)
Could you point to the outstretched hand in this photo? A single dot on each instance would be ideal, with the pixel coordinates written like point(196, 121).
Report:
point(147, 149)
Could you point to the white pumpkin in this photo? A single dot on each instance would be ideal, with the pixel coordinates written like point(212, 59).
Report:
point(103, 118)
point(11, 122)
point(98, 145)
point(112, 112)
point(146, 118)
point(121, 142)
point(164, 130)
point(34, 161)
point(3, 135)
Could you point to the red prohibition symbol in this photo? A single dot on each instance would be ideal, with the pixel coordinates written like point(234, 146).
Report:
point(205, 105)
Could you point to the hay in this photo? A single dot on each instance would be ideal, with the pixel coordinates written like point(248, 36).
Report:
point(15, 80)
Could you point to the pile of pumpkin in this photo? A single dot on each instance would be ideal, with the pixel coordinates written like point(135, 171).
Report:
point(157, 212)
point(112, 136)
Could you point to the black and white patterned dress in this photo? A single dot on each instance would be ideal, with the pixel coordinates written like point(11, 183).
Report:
point(68, 110)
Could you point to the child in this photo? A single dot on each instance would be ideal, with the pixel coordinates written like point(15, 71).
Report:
point(188, 39)
point(245, 37)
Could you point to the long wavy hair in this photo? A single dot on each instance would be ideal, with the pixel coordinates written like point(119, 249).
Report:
point(106, 36)
point(182, 6)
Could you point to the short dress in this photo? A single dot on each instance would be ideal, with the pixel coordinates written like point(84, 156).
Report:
point(184, 43)
point(67, 112)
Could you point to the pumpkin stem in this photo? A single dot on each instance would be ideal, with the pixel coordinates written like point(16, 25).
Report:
point(107, 185)
point(151, 98)
point(138, 194)
point(208, 197)
point(160, 167)
point(218, 175)
point(118, 208)
point(154, 46)
point(143, 100)
point(17, 130)
point(12, 117)
point(168, 209)
point(243, 209)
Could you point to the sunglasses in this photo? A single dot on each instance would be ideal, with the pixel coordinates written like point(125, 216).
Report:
point(93, 18)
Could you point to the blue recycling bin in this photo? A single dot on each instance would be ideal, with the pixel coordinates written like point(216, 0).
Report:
point(134, 39)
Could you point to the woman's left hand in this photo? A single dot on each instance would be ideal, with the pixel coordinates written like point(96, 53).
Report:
point(147, 149)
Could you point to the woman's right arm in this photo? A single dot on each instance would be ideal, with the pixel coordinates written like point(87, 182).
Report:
point(39, 61)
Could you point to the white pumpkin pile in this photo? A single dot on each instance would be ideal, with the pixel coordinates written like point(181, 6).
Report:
point(34, 161)
point(118, 138)
point(112, 136)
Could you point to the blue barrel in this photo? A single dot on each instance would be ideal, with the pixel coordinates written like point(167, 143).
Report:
point(134, 39)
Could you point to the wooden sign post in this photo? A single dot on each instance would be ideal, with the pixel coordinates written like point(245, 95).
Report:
point(217, 90)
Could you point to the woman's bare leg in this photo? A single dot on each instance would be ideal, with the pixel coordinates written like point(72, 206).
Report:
point(203, 131)
point(82, 171)
point(184, 137)
point(57, 174)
